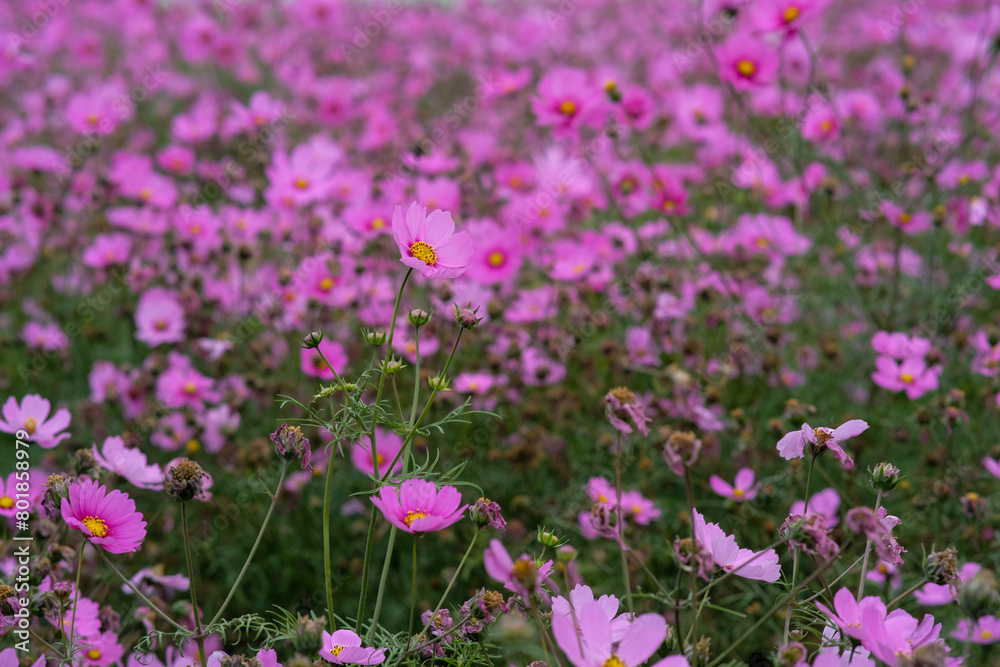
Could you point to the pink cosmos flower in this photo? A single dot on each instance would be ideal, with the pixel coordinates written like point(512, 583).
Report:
point(267, 657)
point(638, 508)
point(897, 636)
point(159, 317)
point(582, 596)
point(910, 375)
point(107, 519)
point(742, 489)
point(429, 244)
point(729, 556)
point(986, 630)
point(44, 336)
point(747, 62)
point(567, 100)
point(387, 444)
point(32, 417)
point(792, 445)
point(826, 503)
point(418, 506)
point(933, 595)
point(992, 466)
point(101, 649)
point(498, 254)
point(590, 641)
point(847, 612)
point(523, 576)
point(107, 250)
point(129, 463)
point(181, 385)
point(344, 647)
point(312, 363)
point(30, 486)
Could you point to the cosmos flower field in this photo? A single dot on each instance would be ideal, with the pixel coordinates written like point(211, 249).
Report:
point(488, 333)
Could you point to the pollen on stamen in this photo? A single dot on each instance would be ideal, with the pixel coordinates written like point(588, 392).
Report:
point(746, 68)
point(791, 14)
point(96, 526)
point(424, 252)
point(412, 516)
point(567, 107)
point(30, 424)
point(496, 258)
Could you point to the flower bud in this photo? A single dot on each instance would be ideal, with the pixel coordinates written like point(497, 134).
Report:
point(547, 539)
point(467, 316)
point(291, 444)
point(438, 382)
point(312, 341)
point(184, 481)
point(884, 477)
point(375, 337)
point(418, 317)
point(393, 366)
point(85, 463)
point(566, 554)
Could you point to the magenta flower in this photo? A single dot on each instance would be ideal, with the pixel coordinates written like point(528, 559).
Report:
point(429, 244)
point(847, 613)
point(567, 100)
point(523, 576)
point(107, 519)
point(747, 62)
point(743, 487)
point(985, 631)
point(911, 375)
point(32, 417)
point(129, 463)
point(159, 317)
point(387, 444)
point(312, 363)
point(344, 647)
point(590, 641)
point(582, 596)
point(729, 556)
point(792, 445)
point(933, 595)
point(418, 506)
point(826, 503)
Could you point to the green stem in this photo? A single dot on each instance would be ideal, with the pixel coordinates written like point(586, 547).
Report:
point(381, 584)
point(135, 590)
point(370, 541)
point(416, 374)
point(327, 559)
point(413, 587)
point(253, 550)
point(868, 548)
point(200, 637)
point(770, 612)
point(693, 574)
point(621, 525)
point(905, 593)
point(76, 597)
point(697, 613)
point(451, 583)
point(791, 599)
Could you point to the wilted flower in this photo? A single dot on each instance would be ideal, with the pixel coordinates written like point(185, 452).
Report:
point(292, 444)
point(681, 451)
point(185, 480)
point(621, 405)
point(877, 526)
point(486, 512)
point(810, 533)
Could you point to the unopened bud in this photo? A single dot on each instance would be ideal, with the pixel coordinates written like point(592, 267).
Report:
point(467, 316)
point(548, 539)
point(393, 366)
point(942, 567)
point(438, 382)
point(978, 595)
point(418, 317)
point(375, 338)
point(884, 477)
point(312, 341)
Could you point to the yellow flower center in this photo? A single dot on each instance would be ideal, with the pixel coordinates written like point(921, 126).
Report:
point(964, 179)
point(381, 462)
point(92, 119)
point(260, 119)
point(515, 181)
point(424, 252)
point(669, 205)
point(972, 497)
point(93, 654)
point(738, 493)
point(907, 378)
point(746, 68)
point(96, 526)
point(195, 229)
point(192, 446)
point(378, 223)
point(335, 651)
point(301, 183)
point(614, 661)
point(826, 125)
point(326, 284)
point(636, 509)
point(986, 634)
point(904, 218)
point(524, 571)
point(791, 14)
point(882, 568)
point(496, 258)
point(190, 388)
point(160, 325)
point(6, 502)
point(761, 242)
point(145, 194)
point(412, 516)
point(568, 107)
point(30, 424)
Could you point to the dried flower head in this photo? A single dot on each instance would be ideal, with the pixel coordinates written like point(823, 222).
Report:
point(292, 444)
point(184, 480)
